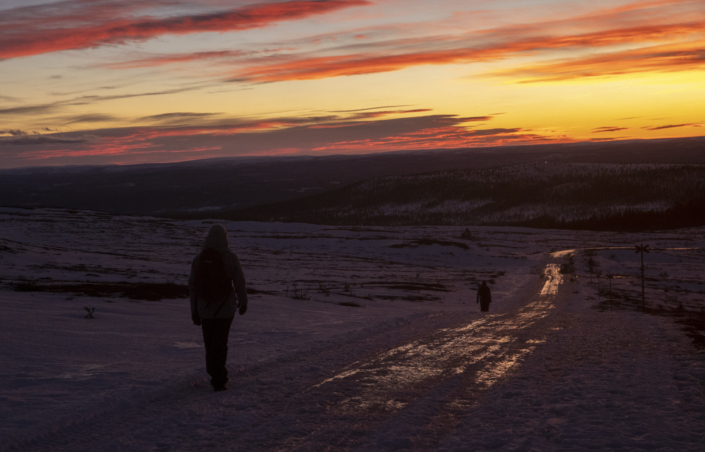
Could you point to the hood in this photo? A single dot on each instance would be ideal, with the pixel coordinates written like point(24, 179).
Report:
point(217, 238)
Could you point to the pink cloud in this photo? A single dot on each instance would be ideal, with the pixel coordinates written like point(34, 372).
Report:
point(319, 67)
point(20, 38)
point(639, 23)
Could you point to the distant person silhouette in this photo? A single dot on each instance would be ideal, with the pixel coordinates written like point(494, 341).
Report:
point(214, 272)
point(484, 297)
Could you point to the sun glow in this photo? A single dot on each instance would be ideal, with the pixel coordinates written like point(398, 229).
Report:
point(341, 76)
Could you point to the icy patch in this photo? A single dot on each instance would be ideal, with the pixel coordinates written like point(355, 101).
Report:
point(554, 280)
point(562, 253)
point(488, 343)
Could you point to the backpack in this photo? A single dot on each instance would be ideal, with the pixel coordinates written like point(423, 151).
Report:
point(212, 282)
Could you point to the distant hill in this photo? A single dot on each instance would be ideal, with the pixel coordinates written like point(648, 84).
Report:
point(556, 195)
point(218, 187)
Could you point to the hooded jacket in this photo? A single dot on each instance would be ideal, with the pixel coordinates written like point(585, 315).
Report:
point(218, 239)
point(484, 295)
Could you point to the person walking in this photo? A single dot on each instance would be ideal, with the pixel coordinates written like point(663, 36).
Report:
point(484, 297)
point(217, 290)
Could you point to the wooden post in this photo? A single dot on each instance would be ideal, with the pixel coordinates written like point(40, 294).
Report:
point(642, 249)
point(609, 277)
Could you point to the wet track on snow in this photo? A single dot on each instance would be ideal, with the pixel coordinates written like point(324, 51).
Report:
point(418, 391)
point(410, 396)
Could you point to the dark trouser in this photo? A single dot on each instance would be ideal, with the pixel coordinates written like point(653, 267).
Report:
point(215, 338)
point(484, 306)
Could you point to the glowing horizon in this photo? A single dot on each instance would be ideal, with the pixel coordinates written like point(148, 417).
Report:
point(136, 81)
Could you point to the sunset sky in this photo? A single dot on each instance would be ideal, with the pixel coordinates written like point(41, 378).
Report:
point(137, 81)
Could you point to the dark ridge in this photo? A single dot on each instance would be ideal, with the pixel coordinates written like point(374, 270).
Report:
point(558, 196)
point(202, 189)
point(682, 215)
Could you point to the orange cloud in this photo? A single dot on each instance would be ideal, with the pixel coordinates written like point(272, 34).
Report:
point(638, 23)
point(444, 137)
point(311, 68)
point(664, 58)
point(42, 35)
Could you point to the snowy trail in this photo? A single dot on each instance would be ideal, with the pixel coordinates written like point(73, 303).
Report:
point(412, 396)
point(409, 395)
point(411, 365)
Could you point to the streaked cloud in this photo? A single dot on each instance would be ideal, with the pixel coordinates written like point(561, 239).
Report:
point(29, 110)
point(674, 126)
point(22, 35)
point(41, 109)
point(173, 59)
point(311, 68)
point(368, 109)
point(379, 113)
point(666, 58)
point(609, 129)
point(558, 72)
point(450, 136)
point(13, 132)
point(176, 118)
point(274, 136)
point(38, 139)
point(93, 117)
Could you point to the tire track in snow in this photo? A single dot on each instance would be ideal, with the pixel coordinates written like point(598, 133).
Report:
point(261, 390)
point(408, 395)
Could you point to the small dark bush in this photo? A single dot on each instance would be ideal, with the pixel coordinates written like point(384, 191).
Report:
point(139, 291)
point(27, 286)
point(351, 304)
point(300, 294)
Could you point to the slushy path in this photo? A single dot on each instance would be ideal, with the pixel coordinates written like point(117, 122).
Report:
point(409, 396)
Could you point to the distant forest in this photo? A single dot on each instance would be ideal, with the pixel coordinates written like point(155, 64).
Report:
point(622, 197)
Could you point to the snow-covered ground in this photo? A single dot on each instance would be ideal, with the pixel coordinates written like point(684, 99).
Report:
point(406, 362)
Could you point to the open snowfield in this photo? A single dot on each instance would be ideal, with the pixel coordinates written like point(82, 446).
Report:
point(365, 339)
